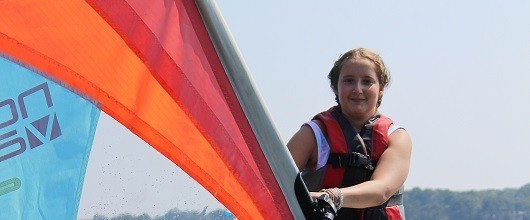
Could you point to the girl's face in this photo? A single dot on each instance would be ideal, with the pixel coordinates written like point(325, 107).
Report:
point(358, 88)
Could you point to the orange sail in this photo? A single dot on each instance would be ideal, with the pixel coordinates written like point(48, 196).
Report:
point(152, 66)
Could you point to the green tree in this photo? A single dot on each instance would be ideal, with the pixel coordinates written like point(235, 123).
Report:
point(486, 204)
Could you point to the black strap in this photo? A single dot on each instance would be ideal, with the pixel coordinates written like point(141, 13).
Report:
point(353, 175)
point(352, 159)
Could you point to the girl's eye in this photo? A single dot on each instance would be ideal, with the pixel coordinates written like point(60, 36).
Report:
point(367, 82)
point(348, 80)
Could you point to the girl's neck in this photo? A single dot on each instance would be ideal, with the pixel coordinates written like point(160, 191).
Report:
point(358, 122)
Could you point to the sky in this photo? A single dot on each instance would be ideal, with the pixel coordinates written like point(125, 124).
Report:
point(460, 86)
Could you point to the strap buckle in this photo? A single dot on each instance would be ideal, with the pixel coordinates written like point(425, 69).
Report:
point(360, 160)
point(352, 159)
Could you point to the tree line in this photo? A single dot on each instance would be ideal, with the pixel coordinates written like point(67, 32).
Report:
point(484, 204)
point(218, 214)
point(511, 204)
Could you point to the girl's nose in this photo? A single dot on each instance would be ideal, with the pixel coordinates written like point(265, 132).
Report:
point(358, 87)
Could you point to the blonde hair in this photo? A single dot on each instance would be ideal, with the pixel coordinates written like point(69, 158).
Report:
point(383, 75)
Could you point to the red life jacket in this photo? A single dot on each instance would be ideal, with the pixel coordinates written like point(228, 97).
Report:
point(350, 164)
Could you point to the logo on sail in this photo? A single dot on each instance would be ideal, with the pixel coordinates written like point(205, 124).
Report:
point(27, 121)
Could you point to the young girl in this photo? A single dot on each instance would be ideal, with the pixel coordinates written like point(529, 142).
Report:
point(351, 152)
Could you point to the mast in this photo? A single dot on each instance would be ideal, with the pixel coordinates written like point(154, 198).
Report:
point(278, 157)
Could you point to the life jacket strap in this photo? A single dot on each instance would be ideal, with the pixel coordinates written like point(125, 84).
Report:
point(352, 159)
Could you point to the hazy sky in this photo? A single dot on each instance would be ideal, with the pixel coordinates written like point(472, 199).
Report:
point(460, 76)
point(460, 86)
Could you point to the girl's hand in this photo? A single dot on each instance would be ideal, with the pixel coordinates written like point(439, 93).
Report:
point(316, 195)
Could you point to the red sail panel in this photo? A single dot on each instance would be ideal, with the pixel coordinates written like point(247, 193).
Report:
point(151, 66)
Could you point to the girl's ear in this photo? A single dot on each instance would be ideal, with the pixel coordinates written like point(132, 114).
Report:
point(380, 98)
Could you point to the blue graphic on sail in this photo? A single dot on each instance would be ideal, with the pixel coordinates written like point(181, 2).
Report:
point(46, 134)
